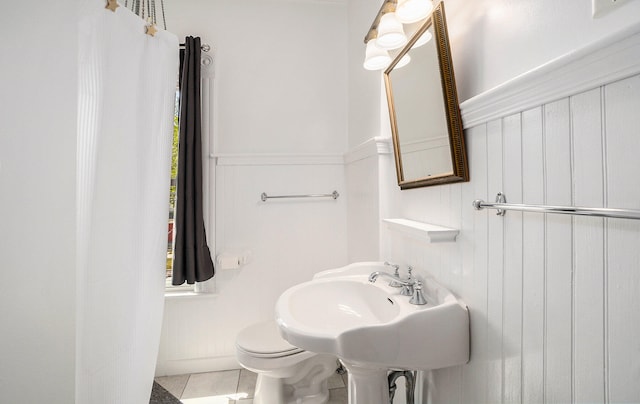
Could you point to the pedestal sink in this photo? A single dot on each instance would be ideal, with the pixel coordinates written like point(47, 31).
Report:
point(372, 328)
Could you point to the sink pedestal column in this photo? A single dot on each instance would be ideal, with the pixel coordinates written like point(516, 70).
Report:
point(367, 385)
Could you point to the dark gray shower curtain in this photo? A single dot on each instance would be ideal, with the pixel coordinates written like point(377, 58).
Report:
point(192, 258)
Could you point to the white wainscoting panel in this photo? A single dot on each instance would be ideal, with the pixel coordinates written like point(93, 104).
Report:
point(512, 275)
point(588, 247)
point(473, 244)
point(365, 208)
point(533, 269)
point(495, 266)
point(553, 299)
point(622, 252)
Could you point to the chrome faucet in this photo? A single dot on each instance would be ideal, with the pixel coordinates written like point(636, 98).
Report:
point(374, 277)
point(416, 293)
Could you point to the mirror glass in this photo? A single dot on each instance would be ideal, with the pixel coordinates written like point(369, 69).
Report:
point(423, 107)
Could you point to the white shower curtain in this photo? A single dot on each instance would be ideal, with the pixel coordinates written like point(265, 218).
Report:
point(127, 83)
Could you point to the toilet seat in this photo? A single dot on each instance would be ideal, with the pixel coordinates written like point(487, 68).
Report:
point(260, 347)
point(263, 340)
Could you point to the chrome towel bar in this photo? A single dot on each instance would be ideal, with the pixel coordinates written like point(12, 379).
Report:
point(333, 195)
point(502, 206)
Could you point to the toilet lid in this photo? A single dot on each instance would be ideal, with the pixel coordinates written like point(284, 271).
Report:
point(264, 339)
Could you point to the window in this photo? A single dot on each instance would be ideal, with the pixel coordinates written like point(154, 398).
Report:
point(172, 188)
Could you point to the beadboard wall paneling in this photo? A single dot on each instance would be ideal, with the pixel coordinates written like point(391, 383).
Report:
point(364, 186)
point(533, 269)
point(622, 278)
point(588, 247)
point(473, 245)
point(558, 253)
point(495, 266)
point(553, 298)
point(512, 275)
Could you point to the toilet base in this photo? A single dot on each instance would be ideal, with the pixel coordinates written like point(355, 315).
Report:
point(305, 383)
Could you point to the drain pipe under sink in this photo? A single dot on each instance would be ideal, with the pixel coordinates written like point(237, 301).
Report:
point(410, 384)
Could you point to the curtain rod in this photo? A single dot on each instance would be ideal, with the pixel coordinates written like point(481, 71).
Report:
point(204, 47)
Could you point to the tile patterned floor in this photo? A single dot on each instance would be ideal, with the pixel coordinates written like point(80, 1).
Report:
point(231, 387)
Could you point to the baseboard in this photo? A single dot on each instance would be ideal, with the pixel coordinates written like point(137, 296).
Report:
point(200, 365)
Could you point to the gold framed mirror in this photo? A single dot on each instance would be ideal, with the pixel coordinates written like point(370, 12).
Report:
point(426, 126)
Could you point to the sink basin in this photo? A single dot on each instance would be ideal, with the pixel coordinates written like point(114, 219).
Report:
point(325, 308)
point(371, 325)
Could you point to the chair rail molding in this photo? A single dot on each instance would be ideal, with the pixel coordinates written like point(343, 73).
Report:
point(249, 159)
point(604, 61)
point(373, 147)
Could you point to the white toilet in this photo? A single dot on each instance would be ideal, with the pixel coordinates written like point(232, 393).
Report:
point(286, 374)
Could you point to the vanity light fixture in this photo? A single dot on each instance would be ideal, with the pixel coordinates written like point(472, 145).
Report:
point(408, 11)
point(387, 31)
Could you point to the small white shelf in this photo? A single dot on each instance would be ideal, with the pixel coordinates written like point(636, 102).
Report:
point(430, 233)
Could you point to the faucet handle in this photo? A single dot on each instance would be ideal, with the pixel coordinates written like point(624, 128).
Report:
point(394, 266)
point(407, 290)
point(396, 273)
point(418, 296)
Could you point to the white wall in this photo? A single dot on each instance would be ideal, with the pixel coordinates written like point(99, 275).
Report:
point(37, 199)
point(281, 80)
point(493, 41)
point(364, 86)
point(279, 126)
point(366, 118)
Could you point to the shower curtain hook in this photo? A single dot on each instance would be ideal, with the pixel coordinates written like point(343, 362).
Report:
point(112, 5)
